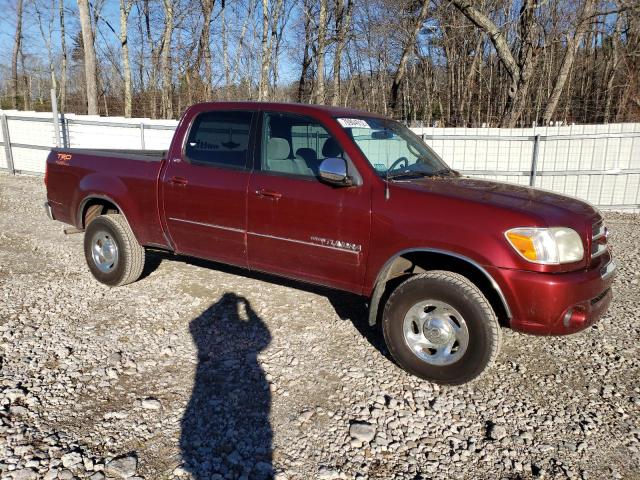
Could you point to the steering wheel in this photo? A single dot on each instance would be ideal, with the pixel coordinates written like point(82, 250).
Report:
point(397, 163)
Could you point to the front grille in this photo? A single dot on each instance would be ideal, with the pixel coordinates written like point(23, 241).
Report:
point(599, 297)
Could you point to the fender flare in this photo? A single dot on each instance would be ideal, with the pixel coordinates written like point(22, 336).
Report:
point(381, 279)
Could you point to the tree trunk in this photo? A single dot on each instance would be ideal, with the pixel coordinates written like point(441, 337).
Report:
point(63, 67)
point(567, 62)
point(517, 97)
point(318, 96)
point(615, 58)
point(306, 57)
point(204, 50)
point(167, 100)
point(90, 66)
point(519, 71)
point(225, 53)
point(274, 45)
point(46, 38)
point(407, 49)
point(125, 9)
point(343, 24)
point(264, 67)
point(14, 58)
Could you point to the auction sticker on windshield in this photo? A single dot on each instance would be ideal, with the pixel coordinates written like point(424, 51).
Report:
point(353, 123)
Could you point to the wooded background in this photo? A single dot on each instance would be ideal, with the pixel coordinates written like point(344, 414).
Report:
point(441, 62)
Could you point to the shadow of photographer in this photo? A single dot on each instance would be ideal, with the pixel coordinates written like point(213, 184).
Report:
point(225, 428)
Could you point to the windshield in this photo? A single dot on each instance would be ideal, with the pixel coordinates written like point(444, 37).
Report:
point(392, 149)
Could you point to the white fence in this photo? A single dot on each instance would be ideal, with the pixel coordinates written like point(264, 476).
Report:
point(598, 163)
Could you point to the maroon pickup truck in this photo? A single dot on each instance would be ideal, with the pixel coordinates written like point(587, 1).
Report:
point(353, 201)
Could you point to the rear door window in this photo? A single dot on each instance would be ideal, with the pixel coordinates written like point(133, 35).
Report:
point(220, 139)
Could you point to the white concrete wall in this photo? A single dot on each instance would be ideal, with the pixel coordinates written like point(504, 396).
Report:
point(618, 149)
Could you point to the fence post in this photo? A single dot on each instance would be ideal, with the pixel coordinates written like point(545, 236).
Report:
point(64, 129)
point(7, 144)
point(534, 161)
point(56, 119)
point(142, 135)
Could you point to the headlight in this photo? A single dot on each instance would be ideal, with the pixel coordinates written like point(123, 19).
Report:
point(549, 246)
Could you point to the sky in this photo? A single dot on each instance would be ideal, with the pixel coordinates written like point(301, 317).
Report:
point(33, 44)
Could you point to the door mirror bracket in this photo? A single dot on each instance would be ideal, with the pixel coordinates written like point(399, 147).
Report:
point(333, 170)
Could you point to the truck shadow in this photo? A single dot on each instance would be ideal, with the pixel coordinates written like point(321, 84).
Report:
point(225, 428)
point(347, 306)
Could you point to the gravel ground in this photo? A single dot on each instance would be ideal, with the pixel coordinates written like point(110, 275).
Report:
point(205, 371)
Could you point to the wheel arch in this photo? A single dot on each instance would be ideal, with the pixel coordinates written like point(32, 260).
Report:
point(101, 204)
point(411, 261)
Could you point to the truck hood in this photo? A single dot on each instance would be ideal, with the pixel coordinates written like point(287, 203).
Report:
point(549, 208)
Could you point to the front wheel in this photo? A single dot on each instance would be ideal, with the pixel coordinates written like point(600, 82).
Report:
point(440, 327)
point(112, 252)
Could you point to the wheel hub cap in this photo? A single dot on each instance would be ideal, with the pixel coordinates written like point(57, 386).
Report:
point(104, 251)
point(436, 332)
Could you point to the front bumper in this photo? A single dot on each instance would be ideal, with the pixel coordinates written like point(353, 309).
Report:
point(556, 303)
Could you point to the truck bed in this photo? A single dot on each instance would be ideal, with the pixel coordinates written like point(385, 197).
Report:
point(126, 178)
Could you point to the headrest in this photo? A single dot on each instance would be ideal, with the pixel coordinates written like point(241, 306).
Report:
point(331, 148)
point(306, 153)
point(278, 148)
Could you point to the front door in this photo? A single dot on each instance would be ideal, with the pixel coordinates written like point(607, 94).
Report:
point(205, 190)
point(298, 226)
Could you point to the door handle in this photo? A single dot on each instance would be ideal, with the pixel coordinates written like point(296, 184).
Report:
point(179, 181)
point(268, 194)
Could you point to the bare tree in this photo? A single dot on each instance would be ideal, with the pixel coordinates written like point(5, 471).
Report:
point(204, 51)
point(343, 24)
point(17, 39)
point(125, 9)
point(567, 61)
point(167, 100)
point(408, 48)
point(90, 65)
point(46, 37)
point(321, 45)
point(495, 62)
point(306, 58)
point(63, 66)
point(519, 70)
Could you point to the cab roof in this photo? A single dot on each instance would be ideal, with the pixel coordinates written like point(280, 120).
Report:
point(291, 107)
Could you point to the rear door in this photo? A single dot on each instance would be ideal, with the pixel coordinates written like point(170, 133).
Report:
point(298, 226)
point(205, 188)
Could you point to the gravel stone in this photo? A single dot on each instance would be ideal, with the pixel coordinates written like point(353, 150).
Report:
point(362, 431)
point(122, 467)
point(262, 377)
point(151, 404)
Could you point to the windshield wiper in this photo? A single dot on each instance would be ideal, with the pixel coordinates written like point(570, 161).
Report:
point(446, 172)
point(407, 173)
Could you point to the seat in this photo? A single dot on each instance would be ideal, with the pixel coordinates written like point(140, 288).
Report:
point(310, 158)
point(331, 148)
point(278, 152)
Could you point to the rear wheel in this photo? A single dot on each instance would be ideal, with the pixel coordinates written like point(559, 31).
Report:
point(440, 327)
point(112, 252)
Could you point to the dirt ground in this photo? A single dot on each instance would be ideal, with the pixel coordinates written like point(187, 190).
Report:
point(200, 370)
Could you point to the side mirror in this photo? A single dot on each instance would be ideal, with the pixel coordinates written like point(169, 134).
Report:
point(334, 172)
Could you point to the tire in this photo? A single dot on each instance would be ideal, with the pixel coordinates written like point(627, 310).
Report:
point(118, 258)
point(433, 313)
